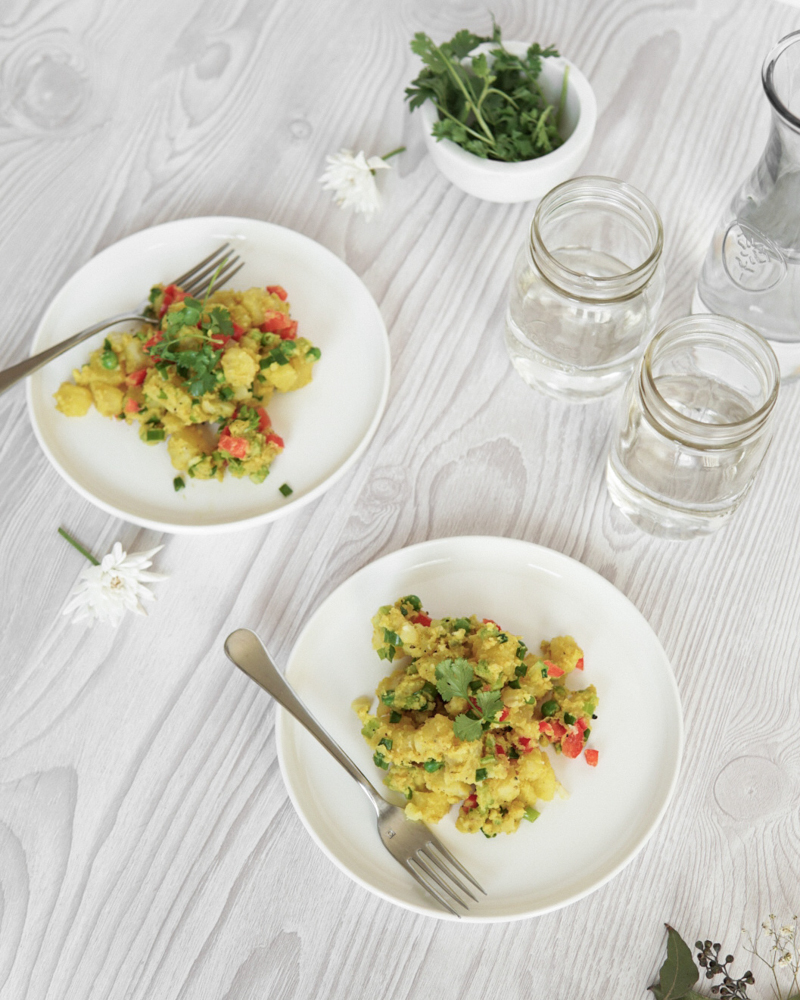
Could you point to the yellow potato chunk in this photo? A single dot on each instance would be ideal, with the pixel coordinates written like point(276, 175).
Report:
point(107, 398)
point(73, 400)
point(239, 367)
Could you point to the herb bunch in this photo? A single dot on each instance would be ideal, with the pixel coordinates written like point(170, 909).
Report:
point(497, 111)
point(679, 973)
point(456, 679)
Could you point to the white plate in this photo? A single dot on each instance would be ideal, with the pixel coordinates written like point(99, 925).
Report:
point(326, 425)
point(576, 844)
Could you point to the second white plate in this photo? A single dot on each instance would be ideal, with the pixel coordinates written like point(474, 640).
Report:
point(326, 425)
point(576, 845)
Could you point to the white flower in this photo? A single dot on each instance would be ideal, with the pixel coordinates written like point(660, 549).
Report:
point(105, 592)
point(352, 178)
point(787, 932)
point(785, 959)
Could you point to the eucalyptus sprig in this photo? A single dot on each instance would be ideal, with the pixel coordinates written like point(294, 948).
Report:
point(679, 974)
point(496, 111)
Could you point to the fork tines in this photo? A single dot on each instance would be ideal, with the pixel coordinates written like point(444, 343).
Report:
point(431, 871)
point(194, 282)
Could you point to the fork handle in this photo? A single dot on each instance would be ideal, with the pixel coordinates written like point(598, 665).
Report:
point(249, 654)
point(10, 376)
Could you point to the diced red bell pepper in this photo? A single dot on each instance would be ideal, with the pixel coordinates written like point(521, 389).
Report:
point(572, 745)
point(238, 332)
point(131, 406)
point(171, 294)
point(421, 619)
point(525, 743)
point(579, 664)
point(263, 419)
point(275, 321)
point(470, 802)
point(591, 757)
point(499, 749)
point(582, 724)
point(490, 621)
point(503, 715)
point(552, 728)
point(235, 446)
point(290, 333)
point(276, 440)
point(219, 340)
point(137, 377)
point(157, 336)
point(278, 290)
point(553, 670)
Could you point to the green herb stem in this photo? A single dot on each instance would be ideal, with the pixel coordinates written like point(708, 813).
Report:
point(470, 100)
point(394, 152)
point(562, 101)
point(77, 545)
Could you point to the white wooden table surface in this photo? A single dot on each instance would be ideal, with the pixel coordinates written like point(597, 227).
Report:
point(147, 845)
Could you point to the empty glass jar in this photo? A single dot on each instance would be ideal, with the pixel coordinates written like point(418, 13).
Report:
point(694, 425)
point(585, 288)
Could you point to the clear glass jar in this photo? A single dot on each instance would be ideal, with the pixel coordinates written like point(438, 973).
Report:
point(693, 427)
point(585, 289)
point(752, 269)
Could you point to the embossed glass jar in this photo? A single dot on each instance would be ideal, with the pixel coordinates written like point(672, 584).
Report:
point(585, 288)
point(694, 424)
point(752, 269)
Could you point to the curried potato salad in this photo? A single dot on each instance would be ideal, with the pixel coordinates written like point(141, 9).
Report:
point(202, 380)
point(467, 715)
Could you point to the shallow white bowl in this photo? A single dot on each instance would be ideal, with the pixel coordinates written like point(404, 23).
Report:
point(326, 426)
point(576, 845)
point(492, 180)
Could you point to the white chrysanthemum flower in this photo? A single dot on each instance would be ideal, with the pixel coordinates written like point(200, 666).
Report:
point(352, 178)
point(106, 591)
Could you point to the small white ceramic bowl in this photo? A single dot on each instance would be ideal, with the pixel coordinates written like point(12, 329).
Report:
point(493, 180)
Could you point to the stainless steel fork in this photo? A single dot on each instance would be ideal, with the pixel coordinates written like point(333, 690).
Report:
point(193, 282)
point(412, 844)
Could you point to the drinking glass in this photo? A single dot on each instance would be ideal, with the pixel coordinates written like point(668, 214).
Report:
point(694, 424)
point(585, 288)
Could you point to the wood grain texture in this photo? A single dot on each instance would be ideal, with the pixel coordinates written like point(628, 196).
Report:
point(147, 845)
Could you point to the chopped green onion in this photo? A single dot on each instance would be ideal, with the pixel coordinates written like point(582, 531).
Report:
point(395, 717)
point(532, 814)
point(380, 760)
point(514, 684)
point(388, 696)
point(155, 435)
point(520, 670)
point(480, 774)
point(286, 489)
point(385, 743)
point(178, 483)
point(569, 720)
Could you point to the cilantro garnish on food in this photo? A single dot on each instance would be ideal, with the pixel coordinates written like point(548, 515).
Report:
point(468, 716)
point(493, 107)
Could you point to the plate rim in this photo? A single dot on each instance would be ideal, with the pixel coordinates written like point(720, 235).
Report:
point(284, 722)
point(242, 524)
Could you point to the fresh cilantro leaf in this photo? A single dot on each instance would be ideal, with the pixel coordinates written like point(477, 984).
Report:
point(452, 678)
point(466, 729)
point(490, 703)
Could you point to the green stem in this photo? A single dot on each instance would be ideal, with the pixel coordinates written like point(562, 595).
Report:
point(222, 264)
point(443, 111)
point(79, 547)
point(470, 101)
point(394, 152)
point(494, 90)
point(562, 103)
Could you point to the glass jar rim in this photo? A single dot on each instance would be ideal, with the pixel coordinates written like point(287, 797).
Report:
point(768, 78)
point(604, 285)
point(697, 433)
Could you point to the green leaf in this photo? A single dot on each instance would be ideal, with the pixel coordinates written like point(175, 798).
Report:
point(490, 703)
point(678, 973)
point(467, 729)
point(452, 679)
